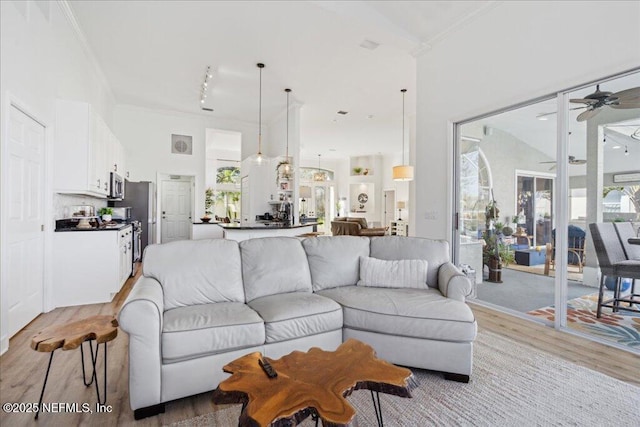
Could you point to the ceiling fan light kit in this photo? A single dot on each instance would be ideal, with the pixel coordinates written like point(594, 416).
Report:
point(403, 172)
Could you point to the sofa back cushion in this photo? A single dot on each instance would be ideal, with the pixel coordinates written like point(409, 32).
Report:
point(274, 265)
point(196, 271)
point(359, 220)
point(335, 260)
point(435, 252)
point(402, 273)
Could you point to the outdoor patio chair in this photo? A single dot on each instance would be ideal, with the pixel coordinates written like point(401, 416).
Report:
point(613, 262)
point(577, 238)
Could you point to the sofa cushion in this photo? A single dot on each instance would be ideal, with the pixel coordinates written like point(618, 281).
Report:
point(412, 313)
point(335, 260)
point(436, 252)
point(404, 273)
point(196, 271)
point(204, 329)
point(274, 265)
point(297, 314)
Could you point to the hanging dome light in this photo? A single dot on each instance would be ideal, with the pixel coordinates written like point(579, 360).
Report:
point(403, 172)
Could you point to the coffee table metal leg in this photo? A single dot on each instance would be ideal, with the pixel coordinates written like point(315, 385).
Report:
point(44, 385)
point(377, 408)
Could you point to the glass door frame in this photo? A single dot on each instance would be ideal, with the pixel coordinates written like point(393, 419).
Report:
point(561, 196)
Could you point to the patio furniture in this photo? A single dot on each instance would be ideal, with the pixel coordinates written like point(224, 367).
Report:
point(577, 238)
point(613, 262)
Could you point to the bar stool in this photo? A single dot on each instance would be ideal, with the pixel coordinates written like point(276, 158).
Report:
point(613, 262)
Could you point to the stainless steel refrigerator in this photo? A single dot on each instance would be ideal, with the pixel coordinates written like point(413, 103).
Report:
point(141, 196)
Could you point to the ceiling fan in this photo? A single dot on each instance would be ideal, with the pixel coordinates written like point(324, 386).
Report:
point(628, 98)
point(572, 161)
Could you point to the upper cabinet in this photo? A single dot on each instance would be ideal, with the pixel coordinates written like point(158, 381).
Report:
point(86, 151)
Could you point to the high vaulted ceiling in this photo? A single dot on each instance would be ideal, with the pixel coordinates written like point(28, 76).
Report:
point(154, 55)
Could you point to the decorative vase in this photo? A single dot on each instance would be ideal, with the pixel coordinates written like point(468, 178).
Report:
point(106, 218)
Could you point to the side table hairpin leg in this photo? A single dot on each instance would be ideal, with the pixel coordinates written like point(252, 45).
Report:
point(94, 374)
point(44, 385)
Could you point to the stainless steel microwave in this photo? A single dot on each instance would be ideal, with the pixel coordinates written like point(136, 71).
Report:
point(116, 189)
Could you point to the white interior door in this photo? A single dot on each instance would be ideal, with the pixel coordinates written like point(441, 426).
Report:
point(389, 206)
point(176, 210)
point(24, 219)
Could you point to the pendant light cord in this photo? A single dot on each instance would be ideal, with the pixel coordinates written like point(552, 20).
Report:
point(260, 66)
point(403, 92)
point(287, 153)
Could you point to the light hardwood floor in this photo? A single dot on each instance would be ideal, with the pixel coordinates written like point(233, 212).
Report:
point(22, 369)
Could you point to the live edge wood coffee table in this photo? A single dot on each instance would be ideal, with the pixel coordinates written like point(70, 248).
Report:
point(313, 384)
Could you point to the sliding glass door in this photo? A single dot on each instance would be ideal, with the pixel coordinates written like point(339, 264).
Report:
point(522, 199)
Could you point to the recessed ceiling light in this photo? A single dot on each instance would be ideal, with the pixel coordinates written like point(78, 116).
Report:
point(369, 44)
point(543, 118)
point(616, 147)
point(344, 113)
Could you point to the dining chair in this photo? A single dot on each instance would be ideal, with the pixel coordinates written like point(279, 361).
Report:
point(613, 262)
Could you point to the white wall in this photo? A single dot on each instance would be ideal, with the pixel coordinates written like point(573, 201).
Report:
point(42, 59)
point(512, 53)
point(146, 135)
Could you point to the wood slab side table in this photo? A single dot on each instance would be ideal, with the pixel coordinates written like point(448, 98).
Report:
point(69, 336)
point(315, 383)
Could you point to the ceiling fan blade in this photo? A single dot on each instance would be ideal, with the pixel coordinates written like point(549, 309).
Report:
point(628, 94)
point(587, 115)
point(621, 105)
point(552, 167)
point(584, 101)
point(551, 161)
point(577, 162)
point(554, 112)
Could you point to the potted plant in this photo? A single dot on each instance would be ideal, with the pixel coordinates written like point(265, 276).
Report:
point(106, 214)
point(208, 205)
point(357, 170)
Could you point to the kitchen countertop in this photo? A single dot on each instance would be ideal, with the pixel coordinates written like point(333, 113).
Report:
point(109, 228)
point(202, 222)
point(263, 226)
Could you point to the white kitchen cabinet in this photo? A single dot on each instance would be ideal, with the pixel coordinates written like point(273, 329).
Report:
point(90, 266)
point(85, 152)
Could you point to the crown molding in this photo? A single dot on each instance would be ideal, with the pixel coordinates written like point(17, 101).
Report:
point(66, 9)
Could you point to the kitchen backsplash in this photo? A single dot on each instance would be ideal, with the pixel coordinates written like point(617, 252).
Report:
point(61, 202)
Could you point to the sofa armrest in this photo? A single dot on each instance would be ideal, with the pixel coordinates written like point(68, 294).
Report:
point(453, 283)
point(141, 318)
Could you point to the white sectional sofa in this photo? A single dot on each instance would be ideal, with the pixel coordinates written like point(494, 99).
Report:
point(202, 303)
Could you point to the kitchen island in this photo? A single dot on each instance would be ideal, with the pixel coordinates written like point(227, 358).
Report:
point(240, 232)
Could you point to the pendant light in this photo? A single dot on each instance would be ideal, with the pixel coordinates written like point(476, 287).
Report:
point(285, 166)
point(319, 176)
point(403, 172)
point(259, 156)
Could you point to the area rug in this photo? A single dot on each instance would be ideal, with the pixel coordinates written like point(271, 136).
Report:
point(622, 327)
point(512, 384)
